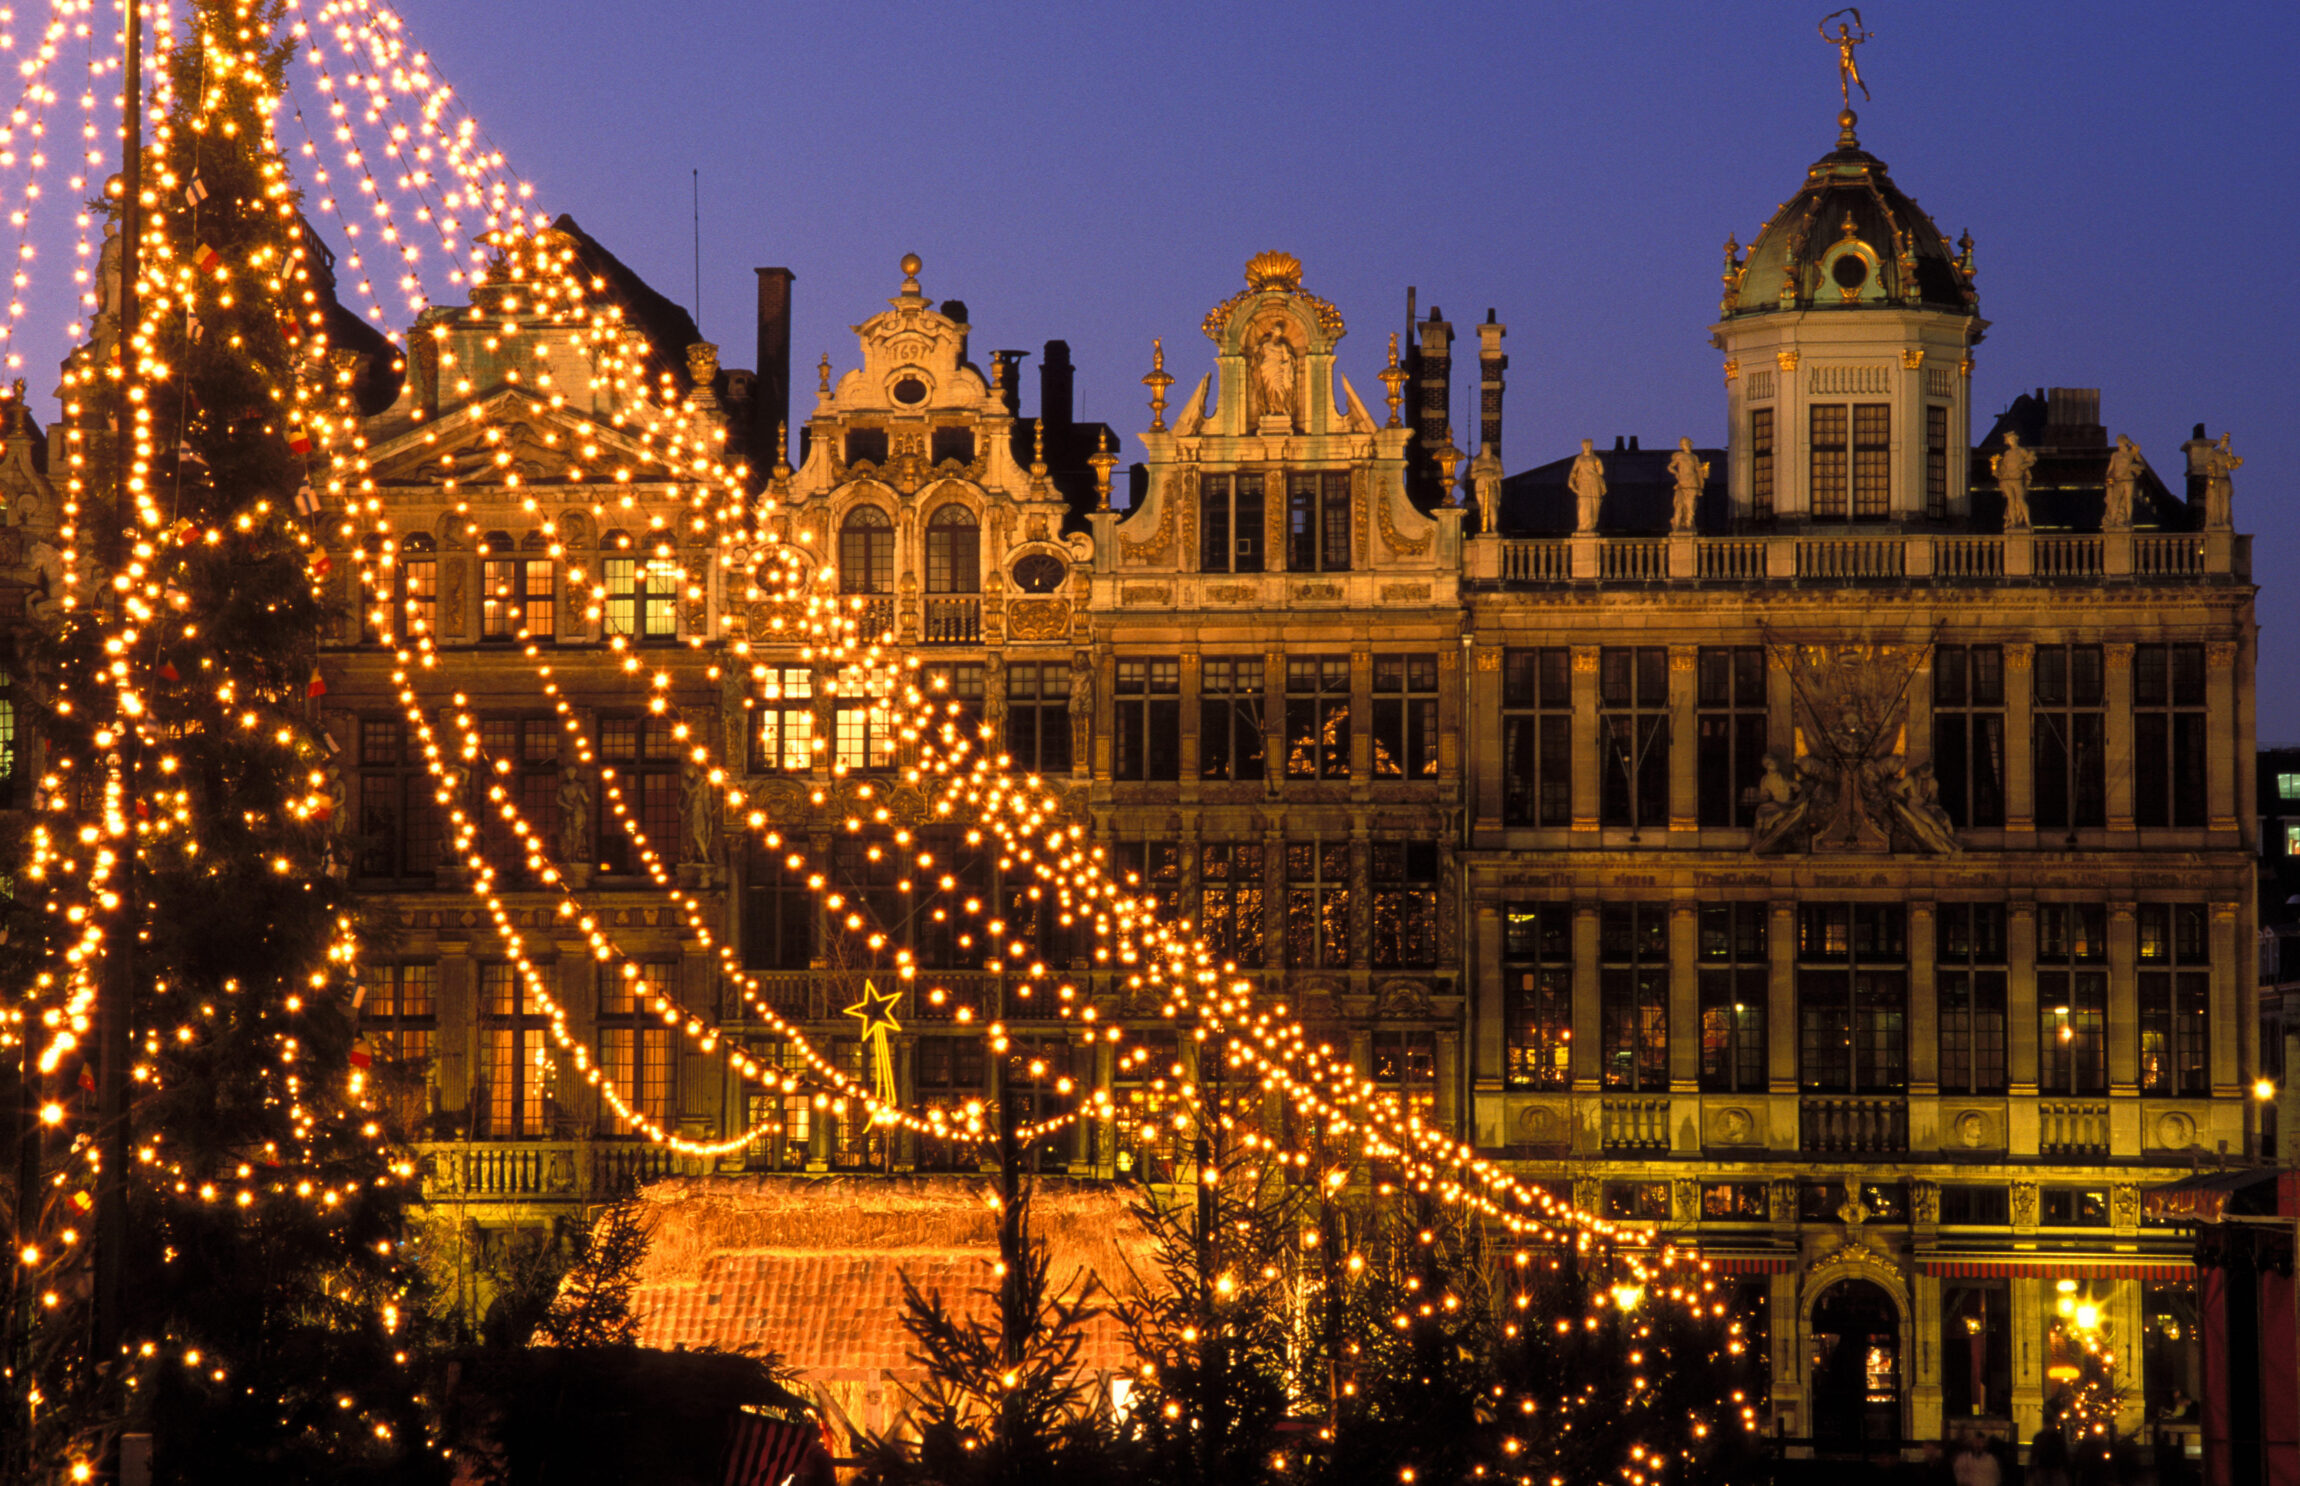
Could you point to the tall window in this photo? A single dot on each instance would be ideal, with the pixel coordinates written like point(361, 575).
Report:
point(2071, 738)
point(520, 757)
point(949, 1070)
point(1038, 716)
point(778, 912)
point(399, 1018)
point(862, 724)
point(1230, 741)
point(783, 736)
point(1318, 522)
point(1537, 737)
point(512, 1031)
point(639, 759)
point(1317, 904)
point(1405, 717)
point(417, 573)
point(1230, 523)
point(2072, 998)
point(1969, 733)
point(1317, 717)
point(865, 877)
point(2175, 1000)
point(1150, 868)
point(866, 551)
point(1633, 735)
point(1735, 983)
point(1971, 978)
point(1406, 1064)
point(1936, 462)
point(1230, 901)
point(1537, 995)
point(1852, 998)
point(1761, 504)
point(1731, 756)
point(1633, 995)
point(635, 1049)
point(518, 596)
point(1851, 455)
point(1405, 877)
point(642, 590)
point(953, 550)
point(398, 808)
point(1147, 743)
point(962, 686)
point(2168, 735)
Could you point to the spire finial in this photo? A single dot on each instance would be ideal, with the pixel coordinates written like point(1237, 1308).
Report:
point(1038, 448)
point(782, 451)
point(823, 375)
point(1394, 378)
point(1158, 381)
point(1104, 462)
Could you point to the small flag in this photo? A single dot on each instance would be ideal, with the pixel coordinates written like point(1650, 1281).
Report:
point(362, 1056)
point(186, 454)
point(306, 500)
point(318, 685)
point(88, 1077)
point(195, 329)
point(207, 259)
point(168, 671)
point(196, 192)
point(322, 565)
point(299, 439)
point(82, 1204)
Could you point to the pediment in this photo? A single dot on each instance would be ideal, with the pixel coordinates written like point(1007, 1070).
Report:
point(506, 440)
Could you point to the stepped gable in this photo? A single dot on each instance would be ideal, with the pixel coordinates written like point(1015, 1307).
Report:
point(811, 1269)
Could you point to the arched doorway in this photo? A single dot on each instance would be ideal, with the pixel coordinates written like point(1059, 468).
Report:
point(1856, 1334)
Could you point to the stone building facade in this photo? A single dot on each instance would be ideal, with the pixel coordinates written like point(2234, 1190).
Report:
point(1837, 847)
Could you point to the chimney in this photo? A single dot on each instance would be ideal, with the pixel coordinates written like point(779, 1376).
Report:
point(1056, 381)
point(1436, 379)
point(1491, 363)
point(2072, 418)
point(773, 402)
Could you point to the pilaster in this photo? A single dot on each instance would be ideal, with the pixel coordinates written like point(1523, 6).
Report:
point(1684, 998)
point(1586, 780)
point(2118, 657)
point(1587, 1022)
point(1684, 752)
point(2020, 745)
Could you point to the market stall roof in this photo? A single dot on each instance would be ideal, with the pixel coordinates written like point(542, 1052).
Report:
point(2209, 1196)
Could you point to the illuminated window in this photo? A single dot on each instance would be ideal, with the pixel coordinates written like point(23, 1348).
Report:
point(1971, 981)
point(783, 735)
point(640, 762)
point(1852, 998)
point(518, 591)
point(1230, 896)
point(1230, 739)
point(1405, 717)
point(1633, 996)
point(1405, 887)
point(513, 1030)
point(2072, 998)
point(1735, 976)
point(520, 756)
point(1317, 904)
point(642, 592)
point(1317, 717)
point(1537, 995)
point(635, 1049)
point(866, 552)
point(398, 821)
point(2175, 999)
point(399, 1020)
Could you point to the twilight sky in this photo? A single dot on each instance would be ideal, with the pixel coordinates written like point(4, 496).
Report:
point(1100, 172)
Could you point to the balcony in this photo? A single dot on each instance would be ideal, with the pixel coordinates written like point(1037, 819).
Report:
point(545, 1170)
point(1636, 1124)
point(1812, 556)
point(2072, 1129)
point(952, 621)
point(1853, 1124)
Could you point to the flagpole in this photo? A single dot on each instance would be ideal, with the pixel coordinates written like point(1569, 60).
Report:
point(116, 991)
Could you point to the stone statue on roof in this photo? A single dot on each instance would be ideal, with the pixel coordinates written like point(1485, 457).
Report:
point(1848, 69)
point(2218, 464)
point(2012, 469)
point(1689, 472)
point(2123, 485)
point(1587, 482)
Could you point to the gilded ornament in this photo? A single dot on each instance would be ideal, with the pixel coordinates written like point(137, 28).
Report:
point(1398, 543)
point(1786, 359)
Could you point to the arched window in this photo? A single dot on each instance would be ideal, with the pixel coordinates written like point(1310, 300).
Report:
point(866, 552)
point(953, 551)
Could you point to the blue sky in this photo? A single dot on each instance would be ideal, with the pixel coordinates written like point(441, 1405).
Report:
point(1100, 172)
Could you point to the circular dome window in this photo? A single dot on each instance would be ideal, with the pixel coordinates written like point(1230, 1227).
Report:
point(910, 391)
point(1040, 573)
point(1850, 271)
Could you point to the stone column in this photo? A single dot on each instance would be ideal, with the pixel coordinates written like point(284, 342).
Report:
point(1587, 759)
point(2027, 1320)
point(1781, 1028)
point(1447, 1070)
point(1924, 1002)
point(1489, 999)
point(2124, 1017)
point(2020, 748)
point(1481, 720)
point(1361, 716)
point(2118, 765)
point(2229, 970)
point(1684, 999)
point(2219, 724)
point(1925, 1373)
point(1919, 717)
point(1192, 676)
point(1587, 1021)
point(1685, 743)
point(2021, 1029)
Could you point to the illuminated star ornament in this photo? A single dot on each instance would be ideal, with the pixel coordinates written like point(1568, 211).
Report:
point(876, 1013)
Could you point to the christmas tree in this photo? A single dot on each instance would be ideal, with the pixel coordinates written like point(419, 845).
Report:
point(251, 1306)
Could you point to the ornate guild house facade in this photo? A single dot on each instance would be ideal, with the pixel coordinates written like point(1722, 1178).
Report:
point(1834, 847)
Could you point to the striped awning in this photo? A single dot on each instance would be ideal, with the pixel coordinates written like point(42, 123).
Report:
point(2087, 1267)
point(1725, 1264)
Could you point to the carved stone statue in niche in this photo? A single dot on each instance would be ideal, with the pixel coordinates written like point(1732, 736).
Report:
point(574, 815)
point(1081, 708)
point(701, 810)
point(1273, 386)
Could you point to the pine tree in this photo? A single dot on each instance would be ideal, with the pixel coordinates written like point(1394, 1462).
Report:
point(593, 1307)
point(267, 1303)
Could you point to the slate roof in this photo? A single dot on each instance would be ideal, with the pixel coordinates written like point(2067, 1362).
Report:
point(2069, 486)
point(1638, 494)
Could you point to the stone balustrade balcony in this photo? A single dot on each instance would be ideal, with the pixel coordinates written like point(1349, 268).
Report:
point(1846, 556)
